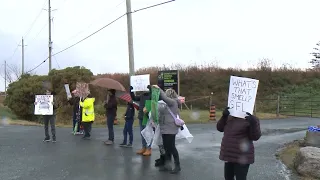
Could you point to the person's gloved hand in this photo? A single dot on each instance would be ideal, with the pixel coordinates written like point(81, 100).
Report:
point(249, 118)
point(226, 112)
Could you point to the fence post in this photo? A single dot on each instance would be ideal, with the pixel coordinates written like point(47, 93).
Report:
point(311, 105)
point(294, 106)
point(278, 106)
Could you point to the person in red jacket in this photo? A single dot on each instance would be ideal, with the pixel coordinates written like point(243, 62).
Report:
point(237, 149)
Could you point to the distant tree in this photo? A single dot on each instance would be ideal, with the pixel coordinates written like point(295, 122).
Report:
point(13, 73)
point(316, 57)
point(21, 93)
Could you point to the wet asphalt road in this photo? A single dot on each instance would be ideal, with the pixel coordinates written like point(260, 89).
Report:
point(23, 155)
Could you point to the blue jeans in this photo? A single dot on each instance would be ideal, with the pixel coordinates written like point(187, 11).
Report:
point(110, 120)
point(128, 130)
point(144, 143)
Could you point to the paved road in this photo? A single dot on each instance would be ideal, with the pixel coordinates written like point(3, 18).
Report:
point(23, 155)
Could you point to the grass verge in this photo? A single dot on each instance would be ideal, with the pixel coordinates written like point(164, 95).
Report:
point(190, 117)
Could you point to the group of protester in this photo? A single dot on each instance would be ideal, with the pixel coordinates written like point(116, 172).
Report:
point(237, 149)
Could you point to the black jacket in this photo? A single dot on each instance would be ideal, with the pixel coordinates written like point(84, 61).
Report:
point(74, 101)
point(111, 106)
point(129, 115)
point(142, 101)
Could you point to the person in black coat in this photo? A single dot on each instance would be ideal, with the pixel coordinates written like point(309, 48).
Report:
point(129, 118)
point(111, 112)
point(76, 113)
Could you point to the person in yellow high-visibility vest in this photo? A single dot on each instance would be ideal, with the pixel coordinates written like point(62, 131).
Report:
point(87, 105)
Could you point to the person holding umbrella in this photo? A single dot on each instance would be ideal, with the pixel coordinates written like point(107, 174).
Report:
point(111, 112)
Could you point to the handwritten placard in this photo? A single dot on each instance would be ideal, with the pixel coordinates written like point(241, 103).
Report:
point(67, 88)
point(82, 89)
point(140, 82)
point(43, 105)
point(242, 96)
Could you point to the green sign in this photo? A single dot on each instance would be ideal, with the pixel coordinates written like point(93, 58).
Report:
point(145, 116)
point(154, 104)
point(169, 80)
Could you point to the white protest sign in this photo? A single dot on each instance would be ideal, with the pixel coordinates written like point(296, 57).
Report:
point(140, 82)
point(242, 96)
point(67, 88)
point(43, 105)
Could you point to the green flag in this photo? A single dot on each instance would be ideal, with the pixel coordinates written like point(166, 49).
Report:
point(154, 104)
point(145, 116)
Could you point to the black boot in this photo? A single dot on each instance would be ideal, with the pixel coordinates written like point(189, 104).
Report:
point(176, 168)
point(160, 161)
point(164, 168)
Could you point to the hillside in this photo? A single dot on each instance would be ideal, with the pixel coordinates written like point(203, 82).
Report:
point(197, 83)
point(291, 91)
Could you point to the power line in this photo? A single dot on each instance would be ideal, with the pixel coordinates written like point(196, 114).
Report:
point(56, 62)
point(28, 31)
point(38, 33)
point(77, 42)
point(148, 7)
point(35, 20)
point(77, 34)
point(14, 52)
point(0, 73)
point(90, 35)
point(99, 31)
point(61, 5)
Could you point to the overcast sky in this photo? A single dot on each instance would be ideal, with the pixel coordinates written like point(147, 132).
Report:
point(232, 33)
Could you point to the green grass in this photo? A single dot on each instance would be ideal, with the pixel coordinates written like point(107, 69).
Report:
point(6, 113)
point(190, 117)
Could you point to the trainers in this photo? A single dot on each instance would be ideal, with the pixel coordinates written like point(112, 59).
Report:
point(122, 144)
point(54, 140)
point(46, 139)
point(129, 145)
point(108, 142)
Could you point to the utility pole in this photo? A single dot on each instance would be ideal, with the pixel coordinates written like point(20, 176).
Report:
point(22, 55)
point(5, 78)
point(22, 50)
point(50, 42)
point(130, 38)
